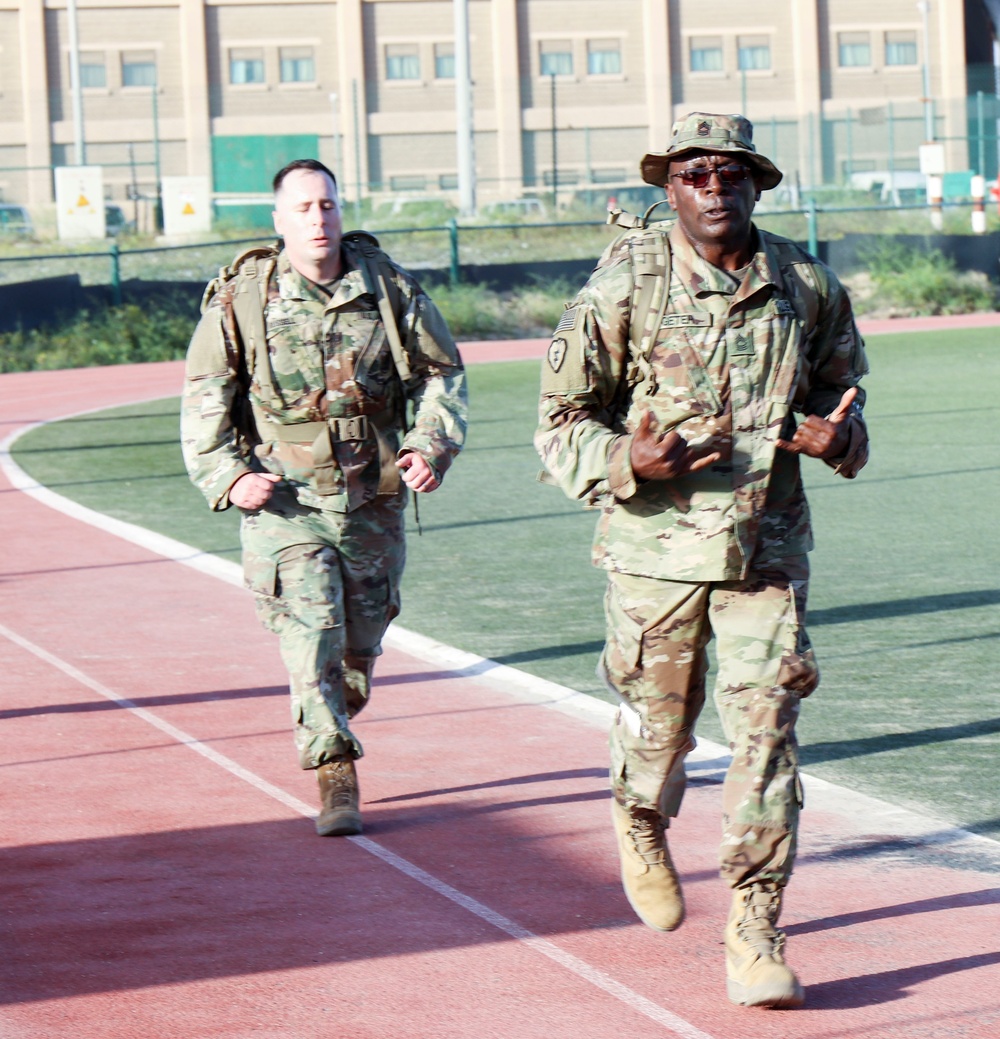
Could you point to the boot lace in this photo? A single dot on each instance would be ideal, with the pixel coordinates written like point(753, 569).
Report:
point(340, 786)
point(646, 834)
point(756, 925)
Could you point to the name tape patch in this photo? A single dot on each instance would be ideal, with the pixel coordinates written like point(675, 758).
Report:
point(687, 321)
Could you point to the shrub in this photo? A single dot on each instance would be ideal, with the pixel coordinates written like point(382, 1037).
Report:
point(477, 312)
point(925, 281)
point(118, 335)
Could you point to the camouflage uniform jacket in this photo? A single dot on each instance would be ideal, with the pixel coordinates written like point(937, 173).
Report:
point(726, 365)
point(329, 363)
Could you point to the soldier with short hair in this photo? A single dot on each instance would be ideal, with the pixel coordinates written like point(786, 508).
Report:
point(295, 403)
point(700, 361)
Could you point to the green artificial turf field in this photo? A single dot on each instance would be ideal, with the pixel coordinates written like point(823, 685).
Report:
point(906, 582)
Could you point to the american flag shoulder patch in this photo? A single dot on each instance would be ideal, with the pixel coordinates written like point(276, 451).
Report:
point(568, 319)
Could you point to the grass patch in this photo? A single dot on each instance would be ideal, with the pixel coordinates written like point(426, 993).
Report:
point(904, 595)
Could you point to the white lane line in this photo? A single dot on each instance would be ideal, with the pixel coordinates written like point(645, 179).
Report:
point(158, 723)
point(581, 968)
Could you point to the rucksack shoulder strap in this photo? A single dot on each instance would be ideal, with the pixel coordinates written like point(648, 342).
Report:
point(249, 298)
point(247, 262)
point(801, 285)
point(650, 256)
point(377, 273)
point(243, 286)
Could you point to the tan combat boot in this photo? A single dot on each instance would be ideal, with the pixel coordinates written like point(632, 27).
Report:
point(757, 975)
point(648, 876)
point(338, 790)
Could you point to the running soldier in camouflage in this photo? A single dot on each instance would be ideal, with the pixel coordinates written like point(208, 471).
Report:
point(670, 397)
point(295, 413)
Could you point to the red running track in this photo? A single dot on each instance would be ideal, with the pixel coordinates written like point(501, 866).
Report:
point(160, 875)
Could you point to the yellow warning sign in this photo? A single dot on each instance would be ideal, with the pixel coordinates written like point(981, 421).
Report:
point(82, 201)
point(188, 209)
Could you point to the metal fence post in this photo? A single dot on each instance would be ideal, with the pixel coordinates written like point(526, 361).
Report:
point(849, 126)
point(116, 275)
point(454, 273)
point(892, 152)
point(981, 133)
point(813, 231)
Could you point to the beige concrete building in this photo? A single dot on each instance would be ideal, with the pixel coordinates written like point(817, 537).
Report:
point(566, 90)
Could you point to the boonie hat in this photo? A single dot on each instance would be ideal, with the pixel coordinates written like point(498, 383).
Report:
point(706, 132)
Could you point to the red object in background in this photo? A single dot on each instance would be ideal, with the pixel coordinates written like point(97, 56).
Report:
point(995, 192)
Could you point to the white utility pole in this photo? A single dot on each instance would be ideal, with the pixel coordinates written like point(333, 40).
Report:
point(338, 156)
point(924, 7)
point(463, 112)
point(76, 89)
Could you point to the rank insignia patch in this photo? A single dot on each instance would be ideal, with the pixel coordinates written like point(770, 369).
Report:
point(743, 345)
point(556, 354)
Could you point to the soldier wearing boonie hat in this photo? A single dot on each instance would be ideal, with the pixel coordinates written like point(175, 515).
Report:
point(701, 360)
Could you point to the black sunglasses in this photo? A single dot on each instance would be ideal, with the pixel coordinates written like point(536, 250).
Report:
point(699, 176)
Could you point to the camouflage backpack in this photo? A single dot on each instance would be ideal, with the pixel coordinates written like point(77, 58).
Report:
point(649, 254)
point(245, 281)
point(243, 284)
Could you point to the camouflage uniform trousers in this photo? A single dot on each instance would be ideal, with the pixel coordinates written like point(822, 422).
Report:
point(327, 584)
point(655, 661)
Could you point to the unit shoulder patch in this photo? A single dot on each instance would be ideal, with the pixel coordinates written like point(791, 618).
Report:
point(564, 370)
point(556, 354)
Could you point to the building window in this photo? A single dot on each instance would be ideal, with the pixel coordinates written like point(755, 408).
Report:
point(296, 65)
point(402, 61)
point(448, 181)
point(555, 58)
point(564, 177)
point(754, 53)
point(609, 175)
point(706, 53)
point(604, 58)
point(408, 182)
point(901, 48)
point(93, 72)
point(444, 61)
point(246, 65)
point(138, 69)
point(854, 50)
